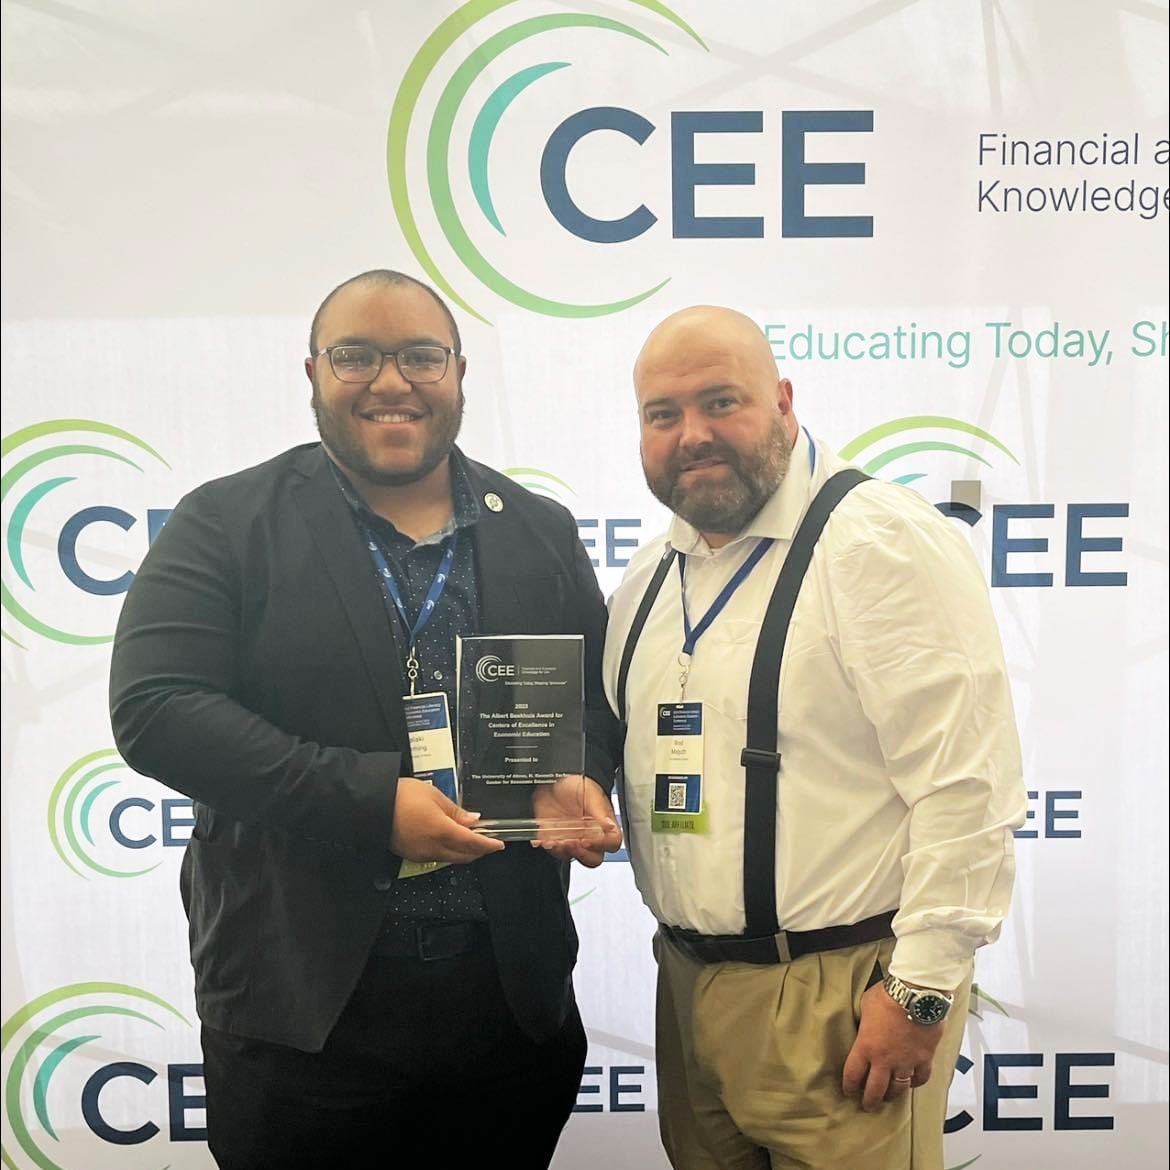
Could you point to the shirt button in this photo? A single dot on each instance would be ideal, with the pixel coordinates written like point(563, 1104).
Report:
point(383, 883)
point(438, 674)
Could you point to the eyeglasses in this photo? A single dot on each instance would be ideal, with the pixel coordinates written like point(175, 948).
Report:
point(363, 363)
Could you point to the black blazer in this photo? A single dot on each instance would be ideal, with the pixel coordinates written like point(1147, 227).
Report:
point(256, 670)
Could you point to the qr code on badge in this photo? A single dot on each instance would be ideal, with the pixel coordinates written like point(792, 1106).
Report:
point(676, 796)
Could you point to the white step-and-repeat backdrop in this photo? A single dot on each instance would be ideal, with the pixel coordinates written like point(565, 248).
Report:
point(949, 216)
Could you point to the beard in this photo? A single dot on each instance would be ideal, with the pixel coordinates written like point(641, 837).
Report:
point(339, 434)
point(728, 506)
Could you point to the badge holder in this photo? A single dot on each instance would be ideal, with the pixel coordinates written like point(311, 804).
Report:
point(678, 770)
point(428, 726)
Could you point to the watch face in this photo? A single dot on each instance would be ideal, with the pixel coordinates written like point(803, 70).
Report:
point(929, 1009)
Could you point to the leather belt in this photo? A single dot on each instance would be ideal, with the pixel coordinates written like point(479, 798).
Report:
point(778, 948)
point(428, 941)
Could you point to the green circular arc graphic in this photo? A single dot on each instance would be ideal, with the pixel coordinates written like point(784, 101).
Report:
point(57, 426)
point(23, 1057)
point(22, 511)
point(39, 627)
point(68, 813)
point(402, 113)
point(73, 793)
point(16, 525)
point(20, 515)
point(71, 831)
point(88, 803)
point(107, 754)
point(25, 1052)
point(880, 461)
point(45, 1075)
point(479, 145)
point(538, 488)
point(919, 422)
point(439, 178)
point(537, 474)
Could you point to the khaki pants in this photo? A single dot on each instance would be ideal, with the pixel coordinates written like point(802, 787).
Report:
point(750, 1060)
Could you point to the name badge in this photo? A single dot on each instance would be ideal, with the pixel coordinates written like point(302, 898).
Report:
point(678, 770)
point(428, 725)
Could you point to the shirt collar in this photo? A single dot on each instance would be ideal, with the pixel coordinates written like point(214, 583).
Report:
point(465, 510)
point(778, 517)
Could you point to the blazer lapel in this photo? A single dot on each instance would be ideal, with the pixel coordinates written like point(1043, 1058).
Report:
point(348, 565)
point(498, 545)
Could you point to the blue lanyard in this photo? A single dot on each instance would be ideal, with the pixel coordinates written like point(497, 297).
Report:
point(394, 595)
point(691, 636)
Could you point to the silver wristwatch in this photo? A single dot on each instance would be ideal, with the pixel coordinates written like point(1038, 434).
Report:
point(922, 1004)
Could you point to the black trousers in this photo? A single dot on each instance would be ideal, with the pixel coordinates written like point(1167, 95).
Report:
point(426, 1067)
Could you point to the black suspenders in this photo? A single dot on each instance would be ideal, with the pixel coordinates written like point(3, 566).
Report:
point(647, 604)
point(759, 758)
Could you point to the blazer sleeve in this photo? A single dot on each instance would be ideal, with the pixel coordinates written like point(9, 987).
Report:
point(176, 700)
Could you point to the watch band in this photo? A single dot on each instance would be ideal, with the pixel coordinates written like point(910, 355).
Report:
point(922, 1005)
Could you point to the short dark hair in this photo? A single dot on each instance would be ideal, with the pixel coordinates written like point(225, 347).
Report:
point(389, 277)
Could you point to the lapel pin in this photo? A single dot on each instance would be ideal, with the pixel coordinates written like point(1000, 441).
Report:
point(493, 502)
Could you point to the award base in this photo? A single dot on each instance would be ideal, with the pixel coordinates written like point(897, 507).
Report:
point(566, 829)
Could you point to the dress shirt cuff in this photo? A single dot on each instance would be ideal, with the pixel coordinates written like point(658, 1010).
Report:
point(937, 959)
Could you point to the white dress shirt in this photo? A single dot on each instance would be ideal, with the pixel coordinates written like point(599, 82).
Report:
point(900, 781)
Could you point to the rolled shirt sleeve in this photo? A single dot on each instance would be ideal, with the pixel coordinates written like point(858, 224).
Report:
point(919, 642)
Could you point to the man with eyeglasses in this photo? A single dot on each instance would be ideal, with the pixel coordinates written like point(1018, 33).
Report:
point(378, 984)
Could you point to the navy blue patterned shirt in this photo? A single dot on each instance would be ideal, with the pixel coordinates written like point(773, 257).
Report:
point(450, 894)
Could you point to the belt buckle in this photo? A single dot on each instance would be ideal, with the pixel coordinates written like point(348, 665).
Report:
point(782, 947)
point(443, 940)
point(422, 943)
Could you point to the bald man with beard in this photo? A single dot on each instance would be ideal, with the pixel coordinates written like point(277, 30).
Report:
point(821, 774)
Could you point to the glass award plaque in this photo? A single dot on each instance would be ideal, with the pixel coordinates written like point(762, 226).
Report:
point(520, 735)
